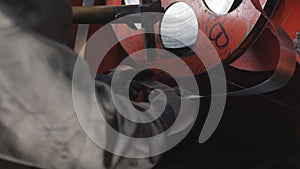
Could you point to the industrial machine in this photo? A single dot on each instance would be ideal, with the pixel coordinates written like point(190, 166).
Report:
point(144, 84)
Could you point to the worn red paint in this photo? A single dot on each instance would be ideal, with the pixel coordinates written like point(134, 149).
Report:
point(238, 30)
point(263, 55)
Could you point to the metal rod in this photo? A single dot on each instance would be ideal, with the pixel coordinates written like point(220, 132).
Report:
point(102, 14)
point(149, 41)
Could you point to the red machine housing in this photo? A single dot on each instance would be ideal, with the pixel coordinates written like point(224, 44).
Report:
point(245, 29)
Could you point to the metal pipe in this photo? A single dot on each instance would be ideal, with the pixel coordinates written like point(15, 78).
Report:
point(102, 14)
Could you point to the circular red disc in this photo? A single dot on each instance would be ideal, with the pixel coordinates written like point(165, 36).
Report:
point(231, 34)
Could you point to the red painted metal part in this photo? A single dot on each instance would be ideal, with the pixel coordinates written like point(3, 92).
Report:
point(288, 17)
point(231, 34)
point(263, 55)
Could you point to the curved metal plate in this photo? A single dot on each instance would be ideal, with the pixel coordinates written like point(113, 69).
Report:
point(264, 54)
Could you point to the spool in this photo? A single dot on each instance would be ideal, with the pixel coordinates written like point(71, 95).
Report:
point(231, 33)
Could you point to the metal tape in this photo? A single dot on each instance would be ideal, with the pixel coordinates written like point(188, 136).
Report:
point(286, 64)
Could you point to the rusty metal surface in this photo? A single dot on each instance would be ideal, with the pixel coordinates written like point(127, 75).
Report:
point(231, 34)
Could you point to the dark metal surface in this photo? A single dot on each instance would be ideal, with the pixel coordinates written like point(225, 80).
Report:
point(297, 43)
